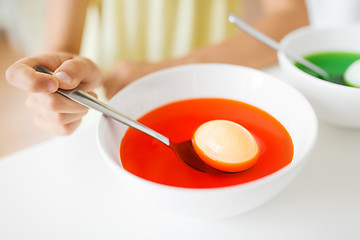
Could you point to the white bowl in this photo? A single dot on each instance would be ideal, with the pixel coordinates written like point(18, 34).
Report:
point(334, 103)
point(280, 100)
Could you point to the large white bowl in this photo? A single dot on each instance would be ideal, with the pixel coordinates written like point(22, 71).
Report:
point(210, 80)
point(334, 103)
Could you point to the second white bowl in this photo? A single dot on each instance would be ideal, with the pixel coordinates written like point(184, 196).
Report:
point(334, 103)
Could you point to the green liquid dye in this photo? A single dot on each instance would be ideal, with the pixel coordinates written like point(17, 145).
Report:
point(334, 63)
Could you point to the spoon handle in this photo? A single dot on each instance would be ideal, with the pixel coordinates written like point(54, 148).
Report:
point(274, 44)
point(94, 103)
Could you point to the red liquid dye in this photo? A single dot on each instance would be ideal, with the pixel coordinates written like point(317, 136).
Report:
point(148, 158)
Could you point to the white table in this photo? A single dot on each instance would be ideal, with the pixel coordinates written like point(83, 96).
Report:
point(62, 189)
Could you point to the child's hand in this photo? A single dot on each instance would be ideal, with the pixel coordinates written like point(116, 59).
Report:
point(52, 111)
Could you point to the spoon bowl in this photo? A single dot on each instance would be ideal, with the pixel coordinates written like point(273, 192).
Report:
point(185, 151)
point(335, 104)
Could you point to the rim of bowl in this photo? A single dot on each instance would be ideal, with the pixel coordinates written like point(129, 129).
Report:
point(303, 31)
point(310, 143)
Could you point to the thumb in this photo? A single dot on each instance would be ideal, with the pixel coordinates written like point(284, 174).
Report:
point(78, 72)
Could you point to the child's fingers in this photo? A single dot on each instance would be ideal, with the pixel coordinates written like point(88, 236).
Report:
point(53, 117)
point(22, 74)
point(70, 71)
point(78, 71)
point(56, 113)
point(54, 103)
point(59, 120)
point(53, 112)
point(26, 78)
point(57, 129)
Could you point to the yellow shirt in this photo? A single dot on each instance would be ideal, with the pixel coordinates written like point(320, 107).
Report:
point(154, 29)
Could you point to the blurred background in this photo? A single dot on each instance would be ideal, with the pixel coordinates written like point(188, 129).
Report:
point(22, 30)
point(21, 34)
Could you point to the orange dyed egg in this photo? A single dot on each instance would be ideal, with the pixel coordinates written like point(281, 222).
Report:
point(226, 145)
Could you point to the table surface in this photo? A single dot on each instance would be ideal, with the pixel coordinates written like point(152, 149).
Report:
point(62, 189)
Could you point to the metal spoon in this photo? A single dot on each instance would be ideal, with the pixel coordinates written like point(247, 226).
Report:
point(183, 150)
point(234, 19)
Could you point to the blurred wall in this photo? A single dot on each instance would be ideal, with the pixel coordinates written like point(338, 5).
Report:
point(325, 13)
point(23, 21)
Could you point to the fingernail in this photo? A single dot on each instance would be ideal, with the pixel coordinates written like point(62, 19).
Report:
point(62, 76)
point(51, 86)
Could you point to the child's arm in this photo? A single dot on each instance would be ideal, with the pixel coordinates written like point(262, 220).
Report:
point(65, 24)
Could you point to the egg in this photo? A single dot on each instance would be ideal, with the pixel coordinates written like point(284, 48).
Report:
point(352, 74)
point(225, 145)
